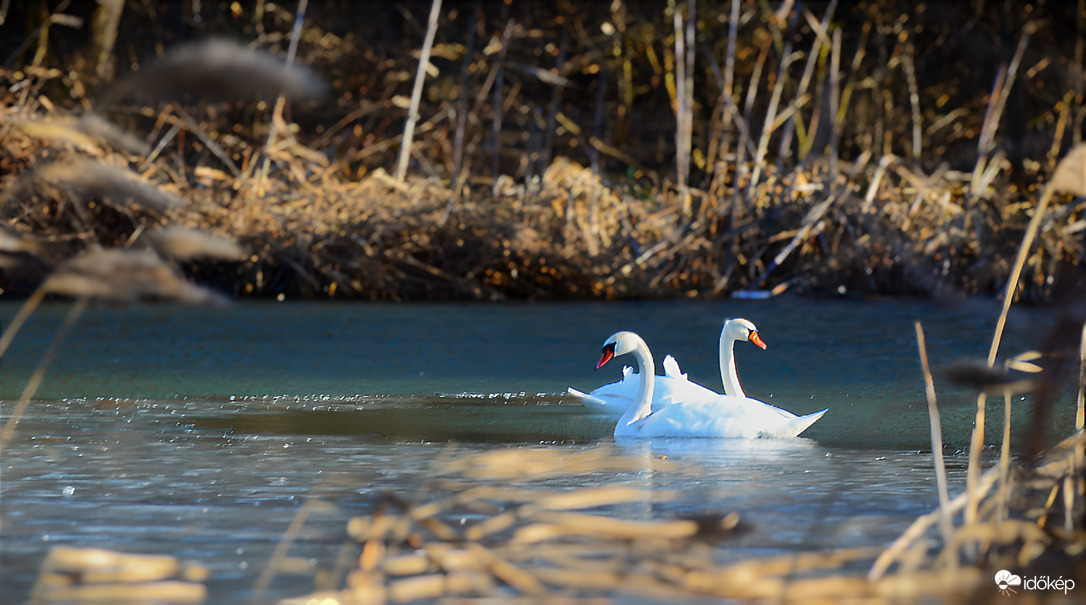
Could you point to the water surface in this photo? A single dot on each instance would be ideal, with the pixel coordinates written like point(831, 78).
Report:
point(200, 432)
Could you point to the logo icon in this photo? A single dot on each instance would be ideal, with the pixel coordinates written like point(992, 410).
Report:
point(1005, 579)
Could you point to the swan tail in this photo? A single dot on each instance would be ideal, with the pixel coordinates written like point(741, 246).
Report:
point(801, 423)
point(585, 397)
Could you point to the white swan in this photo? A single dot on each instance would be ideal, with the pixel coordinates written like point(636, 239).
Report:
point(707, 416)
point(674, 385)
point(733, 330)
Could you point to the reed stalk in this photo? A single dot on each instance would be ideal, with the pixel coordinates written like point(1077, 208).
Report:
point(920, 526)
point(416, 91)
point(554, 104)
point(1004, 459)
point(592, 238)
point(741, 167)
point(1080, 446)
point(997, 101)
point(211, 145)
point(991, 123)
point(1078, 77)
point(1064, 115)
point(977, 442)
point(498, 107)
point(836, 100)
point(25, 311)
point(43, 366)
point(806, 135)
point(456, 178)
point(684, 92)
point(914, 99)
point(774, 102)
point(946, 523)
point(842, 107)
point(280, 102)
point(150, 158)
point(690, 47)
point(279, 554)
point(729, 59)
point(1081, 408)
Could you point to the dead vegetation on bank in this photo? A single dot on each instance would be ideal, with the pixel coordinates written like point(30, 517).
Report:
point(808, 158)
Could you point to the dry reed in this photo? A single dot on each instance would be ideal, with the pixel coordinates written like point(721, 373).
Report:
point(483, 529)
point(416, 91)
point(220, 68)
point(89, 575)
point(1069, 177)
point(946, 523)
point(319, 228)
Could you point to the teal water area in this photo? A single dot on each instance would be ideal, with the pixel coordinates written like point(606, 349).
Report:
point(199, 432)
point(857, 358)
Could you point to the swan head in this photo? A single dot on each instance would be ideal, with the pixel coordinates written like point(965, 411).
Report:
point(619, 343)
point(742, 329)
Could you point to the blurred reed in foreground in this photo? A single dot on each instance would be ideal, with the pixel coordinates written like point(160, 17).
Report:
point(487, 527)
point(92, 575)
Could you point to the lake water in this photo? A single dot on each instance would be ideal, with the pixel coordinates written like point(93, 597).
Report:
point(199, 432)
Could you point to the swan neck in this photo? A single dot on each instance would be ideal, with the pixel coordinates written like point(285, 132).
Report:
point(728, 374)
point(642, 405)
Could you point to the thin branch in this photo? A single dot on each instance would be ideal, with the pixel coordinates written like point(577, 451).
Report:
point(416, 92)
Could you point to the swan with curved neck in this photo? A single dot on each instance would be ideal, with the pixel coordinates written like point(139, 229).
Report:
point(733, 330)
point(698, 415)
point(674, 384)
point(622, 343)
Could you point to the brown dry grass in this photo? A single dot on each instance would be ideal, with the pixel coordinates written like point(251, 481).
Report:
point(902, 187)
point(483, 528)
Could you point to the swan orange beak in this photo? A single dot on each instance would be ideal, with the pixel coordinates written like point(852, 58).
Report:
point(608, 354)
point(757, 340)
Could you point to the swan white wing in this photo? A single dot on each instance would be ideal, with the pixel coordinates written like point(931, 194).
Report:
point(720, 417)
point(617, 396)
point(671, 368)
point(802, 423)
point(585, 397)
point(755, 418)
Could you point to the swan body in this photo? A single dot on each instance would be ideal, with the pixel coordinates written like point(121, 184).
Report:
point(689, 412)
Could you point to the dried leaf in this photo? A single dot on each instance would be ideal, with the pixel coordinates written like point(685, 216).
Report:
point(1023, 362)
